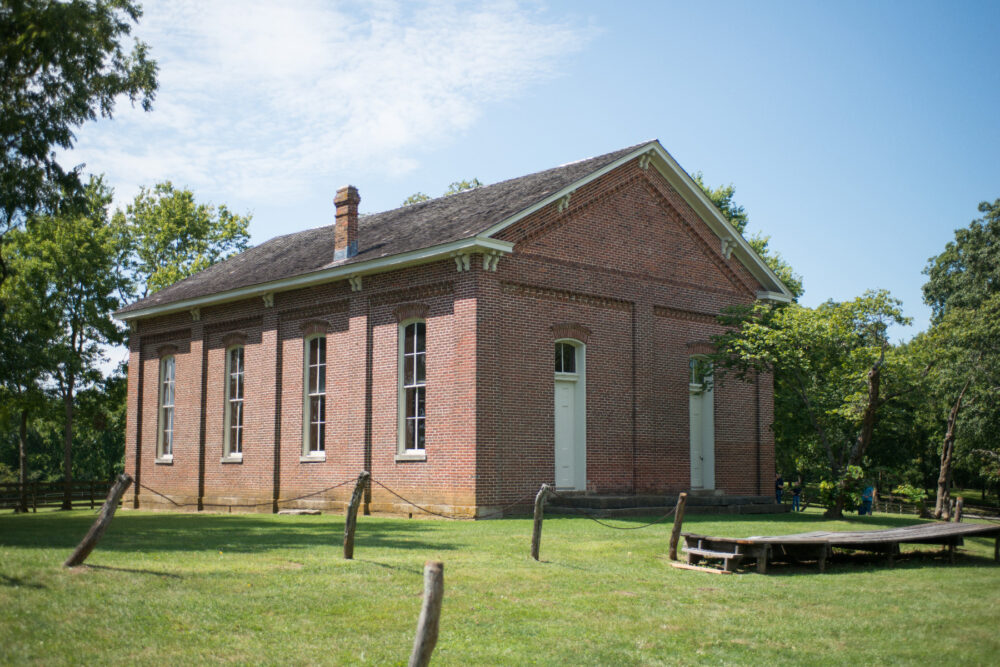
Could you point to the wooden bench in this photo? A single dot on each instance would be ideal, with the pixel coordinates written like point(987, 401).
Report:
point(732, 553)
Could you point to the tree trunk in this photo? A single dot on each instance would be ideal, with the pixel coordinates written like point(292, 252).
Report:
point(22, 438)
point(67, 503)
point(837, 511)
point(942, 508)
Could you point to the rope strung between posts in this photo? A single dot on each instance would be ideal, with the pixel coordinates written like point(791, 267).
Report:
point(261, 504)
point(455, 517)
point(608, 525)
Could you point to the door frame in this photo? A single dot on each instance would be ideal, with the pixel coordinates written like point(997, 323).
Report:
point(579, 380)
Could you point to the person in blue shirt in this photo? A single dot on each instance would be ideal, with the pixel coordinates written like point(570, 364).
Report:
point(796, 495)
point(866, 500)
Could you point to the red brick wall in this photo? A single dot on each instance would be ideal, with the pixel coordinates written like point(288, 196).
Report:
point(628, 261)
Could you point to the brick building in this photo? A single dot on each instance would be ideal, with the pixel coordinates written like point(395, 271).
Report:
point(464, 350)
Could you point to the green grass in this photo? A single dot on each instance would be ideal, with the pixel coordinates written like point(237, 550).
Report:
point(185, 589)
point(974, 497)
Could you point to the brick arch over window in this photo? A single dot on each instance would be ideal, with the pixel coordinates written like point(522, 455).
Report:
point(166, 351)
point(700, 347)
point(235, 338)
point(411, 311)
point(571, 330)
point(315, 328)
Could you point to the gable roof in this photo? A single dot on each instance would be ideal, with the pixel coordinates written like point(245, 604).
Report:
point(422, 232)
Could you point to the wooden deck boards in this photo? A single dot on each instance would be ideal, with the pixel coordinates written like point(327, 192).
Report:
point(819, 543)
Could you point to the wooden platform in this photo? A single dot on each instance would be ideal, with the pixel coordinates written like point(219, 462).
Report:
point(817, 546)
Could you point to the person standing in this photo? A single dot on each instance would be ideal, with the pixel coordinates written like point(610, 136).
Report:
point(866, 500)
point(796, 495)
point(779, 484)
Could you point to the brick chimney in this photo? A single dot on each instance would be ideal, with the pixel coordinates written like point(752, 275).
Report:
point(345, 232)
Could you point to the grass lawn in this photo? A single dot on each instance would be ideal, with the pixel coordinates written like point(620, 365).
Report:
point(170, 589)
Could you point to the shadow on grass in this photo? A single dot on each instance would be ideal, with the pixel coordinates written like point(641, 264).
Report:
point(397, 568)
point(168, 575)
point(17, 582)
point(209, 532)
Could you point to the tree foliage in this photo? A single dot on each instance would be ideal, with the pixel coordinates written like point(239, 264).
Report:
point(61, 64)
point(967, 272)
point(723, 197)
point(71, 260)
point(963, 290)
point(454, 188)
point(173, 237)
point(416, 198)
point(834, 371)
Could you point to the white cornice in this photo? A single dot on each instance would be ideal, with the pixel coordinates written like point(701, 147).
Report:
point(344, 272)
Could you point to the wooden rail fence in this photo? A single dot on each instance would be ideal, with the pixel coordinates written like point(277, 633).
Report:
point(50, 494)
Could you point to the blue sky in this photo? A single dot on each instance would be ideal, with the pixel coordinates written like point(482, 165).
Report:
point(858, 135)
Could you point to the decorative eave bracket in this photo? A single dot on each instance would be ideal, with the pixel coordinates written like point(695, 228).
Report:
point(196, 314)
point(563, 202)
point(463, 261)
point(490, 261)
point(645, 159)
point(268, 300)
point(355, 283)
point(728, 245)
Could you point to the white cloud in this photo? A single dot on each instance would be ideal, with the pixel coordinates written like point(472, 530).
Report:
point(256, 95)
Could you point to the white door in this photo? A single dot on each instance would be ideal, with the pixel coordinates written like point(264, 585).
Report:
point(702, 423)
point(565, 418)
point(697, 458)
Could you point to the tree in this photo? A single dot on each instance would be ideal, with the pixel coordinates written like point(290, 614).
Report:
point(968, 271)
point(73, 260)
point(462, 186)
point(173, 237)
point(454, 188)
point(416, 198)
point(61, 64)
point(723, 198)
point(24, 361)
point(963, 290)
point(836, 371)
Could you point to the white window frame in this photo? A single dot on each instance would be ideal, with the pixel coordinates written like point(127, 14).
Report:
point(165, 412)
point(403, 451)
point(308, 454)
point(233, 452)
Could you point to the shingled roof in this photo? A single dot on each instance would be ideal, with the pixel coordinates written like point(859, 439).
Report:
point(424, 225)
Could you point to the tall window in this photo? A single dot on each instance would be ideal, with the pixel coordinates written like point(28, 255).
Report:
point(565, 358)
point(234, 402)
point(701, 370)
point(165, 441)
point(413, 387)
point(315, 398)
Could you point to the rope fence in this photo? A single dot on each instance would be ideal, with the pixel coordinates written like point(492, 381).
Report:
point(444, 515)
point(244, 505)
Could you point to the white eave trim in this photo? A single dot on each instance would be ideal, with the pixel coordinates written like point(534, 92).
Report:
point(773, 297)
point(332, 274)
point(691, 193)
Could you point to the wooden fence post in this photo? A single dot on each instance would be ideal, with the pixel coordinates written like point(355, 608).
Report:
point(103, 521)
point(678, 520)
point(430, 614)
point(536, 530)
point(958, 509)
point(351, 521)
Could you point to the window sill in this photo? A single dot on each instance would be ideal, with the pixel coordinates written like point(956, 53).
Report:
point(232, 458)
point(411, 456)
point(167, 460)
point(312, 458)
